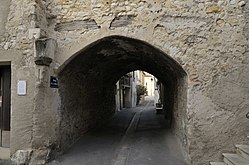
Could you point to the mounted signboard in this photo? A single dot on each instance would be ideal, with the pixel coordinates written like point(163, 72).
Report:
point(21, 87)
point(53, 82)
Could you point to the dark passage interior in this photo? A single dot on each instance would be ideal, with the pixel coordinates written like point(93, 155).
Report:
point(133, 136)
point(87, 84)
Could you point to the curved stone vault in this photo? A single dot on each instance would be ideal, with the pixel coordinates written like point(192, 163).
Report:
point(87, 82)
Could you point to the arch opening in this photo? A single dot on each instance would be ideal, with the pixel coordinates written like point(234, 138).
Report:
point(87, 84)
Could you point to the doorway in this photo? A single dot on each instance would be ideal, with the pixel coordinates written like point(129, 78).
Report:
point(5, 82)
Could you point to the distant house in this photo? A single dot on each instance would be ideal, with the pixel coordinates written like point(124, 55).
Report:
point(126, 91)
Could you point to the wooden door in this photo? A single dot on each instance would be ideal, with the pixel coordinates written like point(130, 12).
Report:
point(5, 78)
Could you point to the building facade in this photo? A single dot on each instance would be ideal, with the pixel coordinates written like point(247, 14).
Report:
point(126, 94)
point(65, 56)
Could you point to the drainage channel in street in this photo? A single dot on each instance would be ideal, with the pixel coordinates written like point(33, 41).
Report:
point(122, 153)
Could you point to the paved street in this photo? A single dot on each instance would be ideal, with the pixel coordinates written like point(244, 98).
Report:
point(134, 136)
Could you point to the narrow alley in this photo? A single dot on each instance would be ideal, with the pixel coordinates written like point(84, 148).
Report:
point(134, 136)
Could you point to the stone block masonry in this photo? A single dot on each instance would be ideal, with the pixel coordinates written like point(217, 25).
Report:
point(209, 39)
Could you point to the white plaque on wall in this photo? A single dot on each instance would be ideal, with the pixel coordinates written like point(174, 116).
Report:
point(21, 88)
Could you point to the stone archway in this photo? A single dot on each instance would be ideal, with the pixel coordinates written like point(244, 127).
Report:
point(87, 84)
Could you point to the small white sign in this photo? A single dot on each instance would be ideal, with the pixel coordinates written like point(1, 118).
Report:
point(21, 88)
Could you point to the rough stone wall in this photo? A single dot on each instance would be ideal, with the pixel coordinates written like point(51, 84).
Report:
point(46, 115)
point(4, 10)
point(33, 114)
point(205, 37)
point(246, 32)
point(15, 48)
point(87, 102)
point(218, 89)
point(180, 114)
point(208, 38)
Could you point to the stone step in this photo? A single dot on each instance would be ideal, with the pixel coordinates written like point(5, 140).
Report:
point(235, 159)
point(4, 153)
point(217, 163)
point(243, 150)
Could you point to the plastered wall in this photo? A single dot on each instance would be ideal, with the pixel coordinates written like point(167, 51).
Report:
point(209, 39)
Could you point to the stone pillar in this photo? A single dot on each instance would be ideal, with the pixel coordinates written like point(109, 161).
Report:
point(43, 127)
point(44, 115)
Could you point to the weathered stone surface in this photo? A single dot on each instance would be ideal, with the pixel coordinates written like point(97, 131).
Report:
point(76, 25)
point(31, 157)
point(44, 51)
point(22, 157)
point(4, 10)
point(209, 39)
point(39, 157)
point(173, 22)
point(43, 61)
point(121, 21)
point(213, 9)
point(242, 3)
